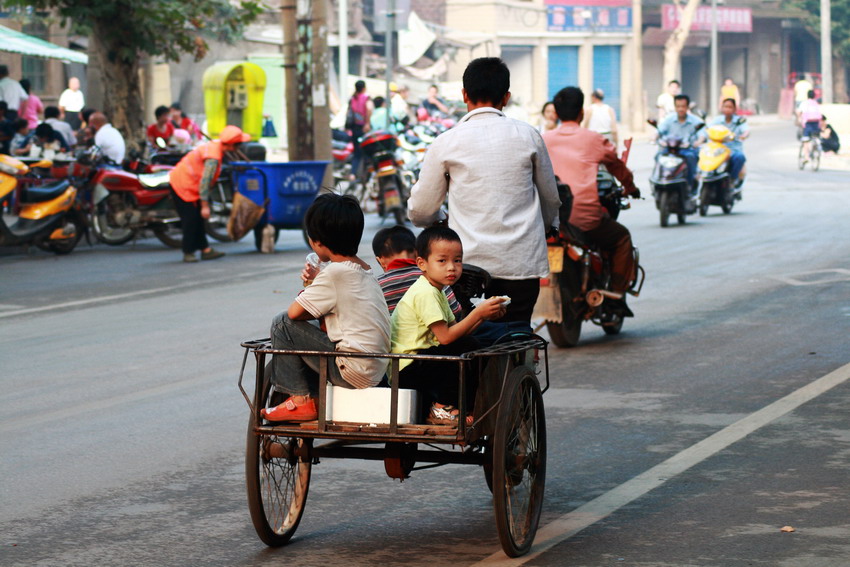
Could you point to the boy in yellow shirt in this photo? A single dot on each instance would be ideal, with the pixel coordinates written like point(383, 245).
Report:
point(423, 323)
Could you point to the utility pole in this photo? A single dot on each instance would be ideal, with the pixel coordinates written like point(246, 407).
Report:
point(714, 96)
point(319, 98)
point(343, 50)
point(638, 110)
point(826, 51)
point(389, 57)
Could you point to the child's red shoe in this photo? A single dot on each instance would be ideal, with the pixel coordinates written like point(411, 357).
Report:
point(289, 411)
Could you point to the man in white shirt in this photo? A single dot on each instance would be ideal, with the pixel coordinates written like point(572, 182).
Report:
point(71, 103)
point(12, 92)
point(500, 185)
point(107, 138)
point(51, 116)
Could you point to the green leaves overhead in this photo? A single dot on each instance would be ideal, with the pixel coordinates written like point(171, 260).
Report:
point(166, 28)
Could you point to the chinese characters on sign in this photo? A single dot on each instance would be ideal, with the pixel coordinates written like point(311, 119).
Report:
point(584, 18)
point(728, 19)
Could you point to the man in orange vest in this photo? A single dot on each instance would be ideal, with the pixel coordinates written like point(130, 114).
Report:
point(191, 180)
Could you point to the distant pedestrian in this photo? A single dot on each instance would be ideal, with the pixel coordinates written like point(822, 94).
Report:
point(357, 121)
point(601, 118)
point(548, 118)
point(665, 102)
point(11, 92)
point(32, 107)
point(71, 103)
point(730, 90)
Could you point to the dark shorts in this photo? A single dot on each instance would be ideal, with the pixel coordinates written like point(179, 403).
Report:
point(811, 129)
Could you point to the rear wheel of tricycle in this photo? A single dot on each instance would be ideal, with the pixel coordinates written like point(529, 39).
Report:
point(277, 479)
point(519, 462)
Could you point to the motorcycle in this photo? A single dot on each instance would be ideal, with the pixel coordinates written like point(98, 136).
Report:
point(578, 288)
point(385, 181)
point(669, 181)
point(716, 185)
point(49, 215)
point(125, 203)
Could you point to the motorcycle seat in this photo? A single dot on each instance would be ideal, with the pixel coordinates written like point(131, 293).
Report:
point(575, 235)
point(46, 192)
point(155, 179)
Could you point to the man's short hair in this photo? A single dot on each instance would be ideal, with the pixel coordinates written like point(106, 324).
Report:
point(393, 240)
point(51, 112)
point(336, 221)
point(161, 110)
point(568, 103)
point(378, 101)
point(684, 97)
point(176, 106)
point(598, 94)
point(433, 234)
point(732, 100)
point(20, 123)
point(360, 85)
point(4, 71)
point(674, 82)
point(810, 94)
point(486, 79)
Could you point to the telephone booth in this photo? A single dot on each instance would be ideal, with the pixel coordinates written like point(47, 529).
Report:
point(233, 94)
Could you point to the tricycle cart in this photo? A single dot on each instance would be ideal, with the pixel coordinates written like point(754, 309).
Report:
point(286, 189)
point(507, 438)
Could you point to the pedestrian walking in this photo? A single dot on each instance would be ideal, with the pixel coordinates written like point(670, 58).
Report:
point(31, 108)
point(601, 118)
point(71, 103)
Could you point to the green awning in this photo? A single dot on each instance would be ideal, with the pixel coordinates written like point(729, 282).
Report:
point(17, 42)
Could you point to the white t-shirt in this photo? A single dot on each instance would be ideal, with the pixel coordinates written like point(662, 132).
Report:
point(12, 92)
point(356, 317)
point(72, 101)
point(110, 140)
point(600, 118)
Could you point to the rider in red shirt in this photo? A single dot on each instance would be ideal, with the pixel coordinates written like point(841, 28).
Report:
point(162, 128)
point(576, 153)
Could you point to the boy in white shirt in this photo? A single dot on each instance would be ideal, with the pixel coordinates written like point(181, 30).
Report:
point(346, 295)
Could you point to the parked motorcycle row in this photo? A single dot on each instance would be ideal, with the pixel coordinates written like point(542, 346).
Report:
point(55, 206)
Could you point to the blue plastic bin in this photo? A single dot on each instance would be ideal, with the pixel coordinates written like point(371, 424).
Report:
point(290, 188)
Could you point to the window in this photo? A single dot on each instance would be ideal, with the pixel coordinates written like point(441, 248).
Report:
point(35, 68)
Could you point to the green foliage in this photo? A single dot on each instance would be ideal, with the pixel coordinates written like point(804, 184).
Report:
point(167, 28)
point(840, 16)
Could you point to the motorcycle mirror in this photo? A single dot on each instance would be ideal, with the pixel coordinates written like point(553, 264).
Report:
point(161, 143)
point(652, 122)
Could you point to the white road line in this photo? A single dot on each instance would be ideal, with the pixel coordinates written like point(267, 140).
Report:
point(133, 294)
point(570, 524)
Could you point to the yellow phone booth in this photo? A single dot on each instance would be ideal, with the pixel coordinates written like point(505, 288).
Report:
point(233, 94)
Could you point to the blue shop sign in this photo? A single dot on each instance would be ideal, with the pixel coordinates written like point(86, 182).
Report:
point(589, 18)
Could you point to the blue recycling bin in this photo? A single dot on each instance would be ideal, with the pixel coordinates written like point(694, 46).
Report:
point(289, 188)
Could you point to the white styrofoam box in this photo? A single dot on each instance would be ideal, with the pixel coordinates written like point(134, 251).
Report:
point(369, 405)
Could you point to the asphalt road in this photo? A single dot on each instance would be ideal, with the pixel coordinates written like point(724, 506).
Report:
point(716, 418)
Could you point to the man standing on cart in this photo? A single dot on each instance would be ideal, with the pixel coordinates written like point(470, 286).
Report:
point(501, 190)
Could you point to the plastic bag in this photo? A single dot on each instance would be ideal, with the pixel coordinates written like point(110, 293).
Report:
point(244, 216)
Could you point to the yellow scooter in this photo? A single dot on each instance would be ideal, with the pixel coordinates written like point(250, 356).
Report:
point(716, 185)
point(49, 217)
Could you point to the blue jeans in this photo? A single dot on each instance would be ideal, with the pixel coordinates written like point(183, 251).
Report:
point(736, 164)
point(691, 156)
point(299, 375)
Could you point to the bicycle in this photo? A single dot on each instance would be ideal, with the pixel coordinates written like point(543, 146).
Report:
point(815, 152)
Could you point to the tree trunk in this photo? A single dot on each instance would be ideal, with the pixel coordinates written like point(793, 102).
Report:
point(676, 42)
point(122, 92)
point(839, 81)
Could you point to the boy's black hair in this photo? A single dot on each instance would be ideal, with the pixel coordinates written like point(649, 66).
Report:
point(568, 103)
point(51, 112)
point(393, 240)
point(684, 97)
point(20, 123)
point(336, 221)
point(378, 101)
point(487, 79)
point(732, 100)
point(161, 110)
point(431, 235)
point(176, 106)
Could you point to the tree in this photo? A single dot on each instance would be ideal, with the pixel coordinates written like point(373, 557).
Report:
point(123, 32)
point(840, 16)
point(676, 42)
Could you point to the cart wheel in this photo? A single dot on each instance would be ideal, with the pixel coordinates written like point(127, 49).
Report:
point(277, 480)
point(519, 462)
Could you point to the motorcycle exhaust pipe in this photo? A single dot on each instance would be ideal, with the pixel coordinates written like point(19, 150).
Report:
point(595, 297)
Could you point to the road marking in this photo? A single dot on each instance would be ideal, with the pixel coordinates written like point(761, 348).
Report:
point(816, 277)
point(588, 514)
point(134, 294)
